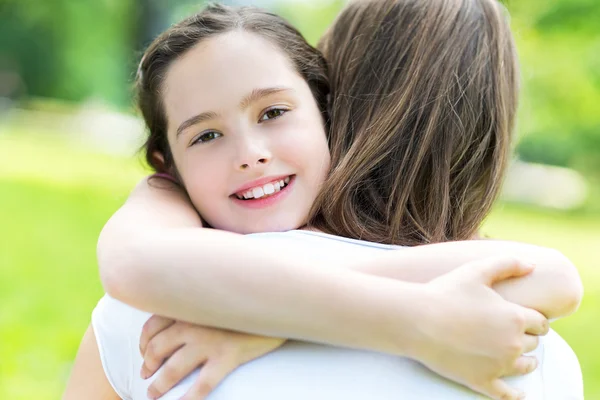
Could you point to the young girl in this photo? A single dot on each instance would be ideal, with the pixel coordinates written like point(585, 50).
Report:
point(201, 90)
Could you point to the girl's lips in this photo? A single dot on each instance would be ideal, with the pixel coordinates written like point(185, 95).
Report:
point(261, 182)
point(267, 201)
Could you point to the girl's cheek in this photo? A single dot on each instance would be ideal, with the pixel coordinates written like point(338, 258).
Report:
point(198, 174)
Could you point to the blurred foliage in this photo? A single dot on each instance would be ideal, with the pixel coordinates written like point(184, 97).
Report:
point(76, 50)
point(69, 49)
point(559, 46)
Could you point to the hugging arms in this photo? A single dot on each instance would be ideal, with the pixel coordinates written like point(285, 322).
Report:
point(316, 306)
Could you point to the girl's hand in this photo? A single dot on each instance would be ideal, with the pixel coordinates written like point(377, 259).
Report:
point(472, 336)
point(183, 347)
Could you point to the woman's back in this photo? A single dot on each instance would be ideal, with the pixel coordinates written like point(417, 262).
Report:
point(300, 370)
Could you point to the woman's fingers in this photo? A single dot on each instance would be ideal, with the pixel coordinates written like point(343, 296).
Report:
point(535, 322)
point(523, 366)
point(152, 327)
point(177, 367)
point(211, 375)
point(160, 347)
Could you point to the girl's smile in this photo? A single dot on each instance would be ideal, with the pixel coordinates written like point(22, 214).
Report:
point(262, 196)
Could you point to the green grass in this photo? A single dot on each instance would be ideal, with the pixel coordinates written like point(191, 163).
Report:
point(53, 202)
point(54, 199)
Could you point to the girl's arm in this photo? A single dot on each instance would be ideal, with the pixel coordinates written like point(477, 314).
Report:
point(87, 380)
point(153, 257)
point(554, 288)
point(149, 261)
point(484, 336)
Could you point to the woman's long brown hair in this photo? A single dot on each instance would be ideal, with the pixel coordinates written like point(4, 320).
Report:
point(423, 100)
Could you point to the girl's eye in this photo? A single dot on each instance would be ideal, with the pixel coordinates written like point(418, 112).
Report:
point(272, 113)
point(207, 137)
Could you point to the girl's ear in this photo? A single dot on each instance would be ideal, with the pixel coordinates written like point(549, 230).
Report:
point(159, 157)
point(160, 160)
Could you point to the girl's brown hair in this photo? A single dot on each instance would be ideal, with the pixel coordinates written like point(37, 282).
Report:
point(212, 21)
point(423, 100)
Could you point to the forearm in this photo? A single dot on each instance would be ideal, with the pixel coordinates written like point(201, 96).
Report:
point(242, 285)
point(554, 288)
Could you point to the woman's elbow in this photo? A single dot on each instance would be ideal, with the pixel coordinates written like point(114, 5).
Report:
point(568, 283)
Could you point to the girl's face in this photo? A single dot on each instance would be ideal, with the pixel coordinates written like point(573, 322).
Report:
point(246, 134)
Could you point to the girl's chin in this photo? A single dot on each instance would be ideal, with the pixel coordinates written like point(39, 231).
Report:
point(259, 226)
point(282, 227)
point(282, 224)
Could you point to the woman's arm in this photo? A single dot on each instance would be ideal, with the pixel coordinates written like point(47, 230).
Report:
point(87, 380)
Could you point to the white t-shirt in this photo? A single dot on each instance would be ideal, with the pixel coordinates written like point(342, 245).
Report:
point(300, 370)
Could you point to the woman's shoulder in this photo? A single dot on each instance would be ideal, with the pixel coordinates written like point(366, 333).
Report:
point(115, 326)
point(322, 239)
point(561, 370)
point(115, 316)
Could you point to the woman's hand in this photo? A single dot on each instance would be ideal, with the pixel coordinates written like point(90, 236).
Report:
point(181, 347)
point(472, 336)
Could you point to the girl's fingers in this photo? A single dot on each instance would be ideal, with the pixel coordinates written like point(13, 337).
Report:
point(211, 375)
point(530, 343)
point(523, 366)
point(498, 269)
point(535, 322)
point(177, 367)
point(500, 390)
point(152, 327)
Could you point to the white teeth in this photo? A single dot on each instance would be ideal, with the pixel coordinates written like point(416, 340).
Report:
point(269, 188)
point(265, 190)
point(258, 192)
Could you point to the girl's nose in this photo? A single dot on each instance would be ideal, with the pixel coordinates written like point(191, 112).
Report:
point(258, 162)
point(252, 155)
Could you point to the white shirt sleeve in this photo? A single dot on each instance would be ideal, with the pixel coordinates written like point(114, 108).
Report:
point(112, 323)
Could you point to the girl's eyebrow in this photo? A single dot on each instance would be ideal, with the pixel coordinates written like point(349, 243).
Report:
point(259, 93)
point(196, 119)
point(252, 97)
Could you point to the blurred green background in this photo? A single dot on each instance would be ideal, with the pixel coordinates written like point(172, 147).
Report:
point(68, 135)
